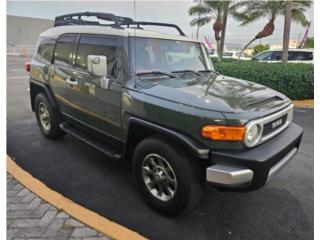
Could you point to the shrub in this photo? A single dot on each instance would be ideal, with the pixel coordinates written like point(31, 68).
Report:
point(295, 80)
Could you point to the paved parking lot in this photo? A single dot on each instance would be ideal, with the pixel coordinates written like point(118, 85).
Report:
point(281, 210)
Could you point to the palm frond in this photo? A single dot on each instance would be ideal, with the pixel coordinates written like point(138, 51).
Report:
point(201, 21)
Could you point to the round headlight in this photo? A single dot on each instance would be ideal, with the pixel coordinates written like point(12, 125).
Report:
point(252, 135)
point(290, 115)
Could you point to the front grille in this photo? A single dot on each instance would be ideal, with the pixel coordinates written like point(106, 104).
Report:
point(270, 127)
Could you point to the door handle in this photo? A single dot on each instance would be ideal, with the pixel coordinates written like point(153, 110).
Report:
point(72, 81)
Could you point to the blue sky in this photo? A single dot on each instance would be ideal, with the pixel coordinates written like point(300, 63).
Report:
point(162, 11)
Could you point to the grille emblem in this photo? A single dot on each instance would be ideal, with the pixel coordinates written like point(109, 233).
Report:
point(276, 123)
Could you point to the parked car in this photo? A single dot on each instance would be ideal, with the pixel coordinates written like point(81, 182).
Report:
point(294, 56)
point(234, 55)
point(155, 100)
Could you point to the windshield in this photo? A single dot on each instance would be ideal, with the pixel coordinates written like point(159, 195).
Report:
point(149, 54)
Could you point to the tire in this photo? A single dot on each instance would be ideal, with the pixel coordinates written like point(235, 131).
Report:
point(46, 113)
point(188, 188)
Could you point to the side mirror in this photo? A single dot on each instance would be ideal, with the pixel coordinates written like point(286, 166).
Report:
point(97, 65)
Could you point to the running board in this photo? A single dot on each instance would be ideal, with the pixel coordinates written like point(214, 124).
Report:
point(94, 142)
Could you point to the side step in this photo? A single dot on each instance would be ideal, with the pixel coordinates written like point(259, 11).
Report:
point(98, 144)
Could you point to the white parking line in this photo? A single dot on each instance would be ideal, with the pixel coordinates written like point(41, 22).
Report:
point(16, 70)
point(17, 77)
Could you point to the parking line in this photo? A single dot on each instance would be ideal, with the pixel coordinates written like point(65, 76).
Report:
point(90, 218)
point(17, 77)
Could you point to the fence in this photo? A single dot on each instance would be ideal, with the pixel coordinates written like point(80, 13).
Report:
point(20, 50)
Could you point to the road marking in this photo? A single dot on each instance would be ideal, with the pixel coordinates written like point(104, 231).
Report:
point(16, 70)
point(16, 77)
point(88, 217)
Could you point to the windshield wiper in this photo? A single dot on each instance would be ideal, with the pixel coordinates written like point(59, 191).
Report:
point(208, 71)
point(155, 73)
point(186, 71)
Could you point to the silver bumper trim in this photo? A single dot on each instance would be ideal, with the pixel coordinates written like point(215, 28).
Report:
point(229, 175)
point(284, 161)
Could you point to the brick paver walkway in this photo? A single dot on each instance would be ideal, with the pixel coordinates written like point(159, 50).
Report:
point(29, 217)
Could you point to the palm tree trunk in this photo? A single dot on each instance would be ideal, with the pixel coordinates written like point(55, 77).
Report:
point(218, 50)
point(224, 26)
point(245, 47)
point(286, 31)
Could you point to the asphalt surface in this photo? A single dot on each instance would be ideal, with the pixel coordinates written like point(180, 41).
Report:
point(281, 210)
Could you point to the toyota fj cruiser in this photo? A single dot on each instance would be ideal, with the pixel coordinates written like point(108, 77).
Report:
point(155, 99)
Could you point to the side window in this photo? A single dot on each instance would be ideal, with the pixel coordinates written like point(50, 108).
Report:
point(276, 56)
point(263, 56)
point(92, 45)
point(300, 56)
point(45, 50)
point(63, 51)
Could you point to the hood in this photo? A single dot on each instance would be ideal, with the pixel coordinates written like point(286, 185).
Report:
point(214, 92)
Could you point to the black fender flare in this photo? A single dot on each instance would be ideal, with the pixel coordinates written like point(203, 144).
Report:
point(195, 148)
point(34, 85)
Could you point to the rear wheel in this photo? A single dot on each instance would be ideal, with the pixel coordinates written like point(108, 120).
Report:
point(47, 117)
point(165, 176)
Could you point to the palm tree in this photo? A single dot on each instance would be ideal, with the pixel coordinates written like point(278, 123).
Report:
point(207, 11)
point(286, 30)
point(250, 11)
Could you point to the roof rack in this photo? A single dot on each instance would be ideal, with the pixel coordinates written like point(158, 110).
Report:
point(118, 21)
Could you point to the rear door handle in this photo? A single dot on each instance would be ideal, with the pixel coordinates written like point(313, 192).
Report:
point(72, 81)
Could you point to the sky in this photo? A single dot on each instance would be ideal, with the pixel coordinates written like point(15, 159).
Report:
point(157, 11)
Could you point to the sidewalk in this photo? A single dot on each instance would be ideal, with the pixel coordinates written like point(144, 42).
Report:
point(29, 217)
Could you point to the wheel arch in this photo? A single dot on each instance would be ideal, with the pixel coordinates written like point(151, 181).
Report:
point(38, 87)
point(139, 129)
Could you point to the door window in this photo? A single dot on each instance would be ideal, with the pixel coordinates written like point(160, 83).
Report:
point(63, 51)
point(92, 45)
point(300, 56)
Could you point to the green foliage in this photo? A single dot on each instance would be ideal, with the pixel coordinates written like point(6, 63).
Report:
point(295, 80)
point(260, 48)
point(309, 43)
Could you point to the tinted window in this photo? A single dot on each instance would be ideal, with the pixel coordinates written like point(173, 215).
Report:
point(62, 54)
point(275, 56)
point(89, 45)
point(300, 56)
point(263, 56)
point(45, 50)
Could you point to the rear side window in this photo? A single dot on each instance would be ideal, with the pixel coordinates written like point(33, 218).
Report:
point(44, 50)
point(92, 45)
point(63, 51)
point(300, 56)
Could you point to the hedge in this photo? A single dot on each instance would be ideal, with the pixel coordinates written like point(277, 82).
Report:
point(295, 80)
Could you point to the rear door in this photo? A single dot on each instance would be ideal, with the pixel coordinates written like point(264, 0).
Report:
point(61, 69)
point(92, 103)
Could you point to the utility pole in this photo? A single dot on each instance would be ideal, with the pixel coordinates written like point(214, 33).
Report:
point(286, 30)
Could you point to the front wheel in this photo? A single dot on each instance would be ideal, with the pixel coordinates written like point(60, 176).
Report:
point(165, 176)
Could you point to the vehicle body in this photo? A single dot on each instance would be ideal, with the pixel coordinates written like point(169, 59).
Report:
point(234, 54)
point(155, 99)
point(294, 56)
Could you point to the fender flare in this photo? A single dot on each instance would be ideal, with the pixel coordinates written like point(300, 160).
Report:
point(195, 148)
point(46, 90)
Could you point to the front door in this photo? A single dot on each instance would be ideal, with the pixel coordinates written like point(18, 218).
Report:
point(91, 102)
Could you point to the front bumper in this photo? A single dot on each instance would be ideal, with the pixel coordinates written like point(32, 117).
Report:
point(251, 169)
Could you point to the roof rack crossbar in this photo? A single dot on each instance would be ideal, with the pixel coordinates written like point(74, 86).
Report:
point(138, 23)
point(76, 19)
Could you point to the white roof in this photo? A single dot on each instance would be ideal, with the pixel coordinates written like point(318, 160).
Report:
point(293, 50)
point(57, 31)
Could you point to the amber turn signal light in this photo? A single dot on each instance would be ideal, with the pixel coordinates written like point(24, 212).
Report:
point(223, 133)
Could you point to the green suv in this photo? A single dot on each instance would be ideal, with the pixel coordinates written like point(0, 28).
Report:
point(155, 100)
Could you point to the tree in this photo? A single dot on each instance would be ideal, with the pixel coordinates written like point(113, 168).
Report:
point(208, 11)
point(260, 48)
point(286, 30)
point(250, 11)
point(309, 43)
